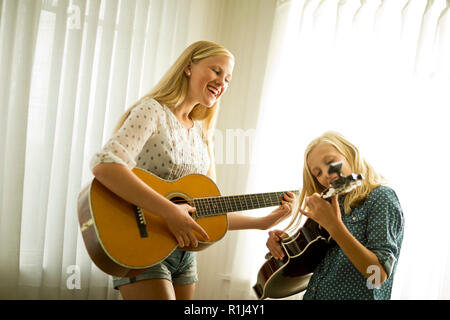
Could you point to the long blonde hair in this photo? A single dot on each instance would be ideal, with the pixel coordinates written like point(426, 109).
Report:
point(172, 89)
point(372, 179)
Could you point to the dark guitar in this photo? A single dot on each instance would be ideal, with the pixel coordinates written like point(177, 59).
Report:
point(303, 251)
point(124, 240)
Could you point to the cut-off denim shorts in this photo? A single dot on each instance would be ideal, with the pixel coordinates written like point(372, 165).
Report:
point(180, 267)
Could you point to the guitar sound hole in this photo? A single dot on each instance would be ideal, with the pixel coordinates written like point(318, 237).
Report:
point(179, 200)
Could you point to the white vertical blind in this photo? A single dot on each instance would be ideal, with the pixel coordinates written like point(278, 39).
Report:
point(137, 51)
point(18, 38)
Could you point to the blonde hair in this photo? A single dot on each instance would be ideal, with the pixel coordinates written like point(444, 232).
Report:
point(357, 164)
point(172, 89)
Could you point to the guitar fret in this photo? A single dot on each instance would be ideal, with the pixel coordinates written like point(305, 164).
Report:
point(207, 205)
point(211, 205)
point(228, 204)
point(232, 203)
point(243, 204)
point(263, 200)
point(236, 204)
point(252, 198)
point(198, 207)
point(257, 201)
point(204, 208)
point(240, 204)
point(235, 208)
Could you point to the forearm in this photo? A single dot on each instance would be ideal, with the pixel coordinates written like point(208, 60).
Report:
point(238, 221)
point(124, 183)
point(358, 254)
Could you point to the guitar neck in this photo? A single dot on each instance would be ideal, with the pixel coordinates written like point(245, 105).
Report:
point(212, 206)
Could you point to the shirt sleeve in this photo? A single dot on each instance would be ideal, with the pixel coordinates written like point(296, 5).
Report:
point(126, 144)
point(385, 227)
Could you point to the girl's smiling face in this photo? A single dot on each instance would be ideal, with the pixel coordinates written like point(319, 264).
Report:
point(319, 160)
point(209, 79)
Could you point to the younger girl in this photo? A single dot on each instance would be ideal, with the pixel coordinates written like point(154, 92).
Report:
point(366, 224)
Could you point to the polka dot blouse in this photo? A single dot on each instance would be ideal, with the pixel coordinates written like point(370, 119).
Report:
point(378, 224)
point(153, 139)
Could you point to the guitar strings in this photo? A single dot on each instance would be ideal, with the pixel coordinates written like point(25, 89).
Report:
point(218, 205)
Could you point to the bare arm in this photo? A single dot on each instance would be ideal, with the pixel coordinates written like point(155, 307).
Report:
point(123, 182)
point(238, 221)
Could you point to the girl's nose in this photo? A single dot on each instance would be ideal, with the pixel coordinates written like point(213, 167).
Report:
point(221, 80)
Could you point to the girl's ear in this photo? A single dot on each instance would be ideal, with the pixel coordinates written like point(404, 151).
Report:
point(187, 70)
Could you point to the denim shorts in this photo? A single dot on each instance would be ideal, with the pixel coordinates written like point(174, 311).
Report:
point(180, 267)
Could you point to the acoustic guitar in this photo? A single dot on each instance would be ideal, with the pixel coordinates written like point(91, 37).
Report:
point(303, 251)
point(124, 240)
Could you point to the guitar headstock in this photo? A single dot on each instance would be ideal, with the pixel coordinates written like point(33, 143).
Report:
point(342, 184)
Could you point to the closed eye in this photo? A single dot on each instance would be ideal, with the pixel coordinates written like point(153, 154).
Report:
point(219, 72)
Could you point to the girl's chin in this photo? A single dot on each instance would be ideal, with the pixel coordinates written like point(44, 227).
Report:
point(209, 102)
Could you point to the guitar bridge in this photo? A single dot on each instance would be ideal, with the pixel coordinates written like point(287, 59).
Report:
point(140, 219)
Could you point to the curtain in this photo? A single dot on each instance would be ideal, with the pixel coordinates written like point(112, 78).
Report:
point(69, 70)
point(378, 72)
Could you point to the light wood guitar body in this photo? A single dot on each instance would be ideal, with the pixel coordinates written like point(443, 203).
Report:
point(123, 240)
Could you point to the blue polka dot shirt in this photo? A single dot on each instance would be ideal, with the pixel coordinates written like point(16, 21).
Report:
point(379, 225)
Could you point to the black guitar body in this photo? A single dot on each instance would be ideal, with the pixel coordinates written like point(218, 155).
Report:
point(304, 251)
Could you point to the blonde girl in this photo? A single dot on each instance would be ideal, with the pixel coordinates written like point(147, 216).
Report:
point(168, 132)
point(366, 224)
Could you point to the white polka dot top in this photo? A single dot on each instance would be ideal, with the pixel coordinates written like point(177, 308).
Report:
point(152, 138)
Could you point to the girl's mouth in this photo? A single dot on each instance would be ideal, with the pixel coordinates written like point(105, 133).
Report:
point(214, 91)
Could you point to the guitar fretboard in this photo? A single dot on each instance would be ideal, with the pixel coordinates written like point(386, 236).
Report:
point(212, 206)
